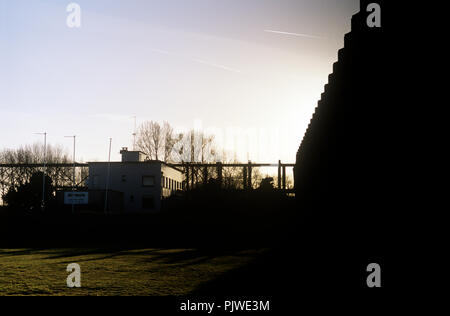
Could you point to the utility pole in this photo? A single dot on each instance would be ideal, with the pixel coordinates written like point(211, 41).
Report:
point(44, 170)
point(73, 180)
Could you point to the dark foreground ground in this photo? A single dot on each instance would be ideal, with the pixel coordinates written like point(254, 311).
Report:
point(225, 249)
point(238, 248)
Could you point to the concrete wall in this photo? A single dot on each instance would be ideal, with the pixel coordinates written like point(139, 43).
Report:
point(132, 156)
point(97, 201)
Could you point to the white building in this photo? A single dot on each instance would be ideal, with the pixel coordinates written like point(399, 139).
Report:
point(143, 183)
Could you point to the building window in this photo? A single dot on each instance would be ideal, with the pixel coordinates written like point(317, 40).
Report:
point(162, 181)
point(124, 178)
point(148, 202)
point(148, 181)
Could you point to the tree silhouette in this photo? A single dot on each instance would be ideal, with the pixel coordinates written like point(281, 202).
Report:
point(157, 141)
point(33, 154)
point(28, 196)
point(266, 184)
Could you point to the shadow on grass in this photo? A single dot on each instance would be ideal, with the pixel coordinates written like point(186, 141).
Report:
point(179, 257)
point(19, 252)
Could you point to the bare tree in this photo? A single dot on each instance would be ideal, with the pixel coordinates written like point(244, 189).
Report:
point(257, 177)
point(170, 140)
point(157, 141)
point(34, 154)
point(160, 142)
point(149, 139)
point(289, 181)
point(233, 177)
point(29, 155)
point(195, 146)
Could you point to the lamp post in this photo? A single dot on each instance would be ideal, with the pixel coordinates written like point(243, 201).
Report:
point(73, 180)
point(44, 169)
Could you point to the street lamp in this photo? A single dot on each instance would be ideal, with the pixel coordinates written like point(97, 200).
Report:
point(43, 173)
point(73, 180)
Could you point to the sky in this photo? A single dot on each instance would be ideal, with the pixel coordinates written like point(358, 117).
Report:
point(248, 71)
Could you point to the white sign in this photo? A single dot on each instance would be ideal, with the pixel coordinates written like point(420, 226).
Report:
point(76, 197)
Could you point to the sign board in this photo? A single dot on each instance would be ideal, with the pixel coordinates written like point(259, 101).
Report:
point(77, 198)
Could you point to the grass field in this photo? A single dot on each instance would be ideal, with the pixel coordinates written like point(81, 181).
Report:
point(156, 272)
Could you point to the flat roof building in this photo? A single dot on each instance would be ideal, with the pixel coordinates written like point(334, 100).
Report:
point(144, 183)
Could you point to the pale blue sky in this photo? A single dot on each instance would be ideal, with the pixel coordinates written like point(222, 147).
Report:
point(183, 61)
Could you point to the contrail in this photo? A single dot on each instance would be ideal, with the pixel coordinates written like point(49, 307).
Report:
point(196, 60)
point(294, 34)
point(216, 65)
point(161, 51)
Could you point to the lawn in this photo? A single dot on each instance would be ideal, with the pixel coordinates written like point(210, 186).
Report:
point(155, 272)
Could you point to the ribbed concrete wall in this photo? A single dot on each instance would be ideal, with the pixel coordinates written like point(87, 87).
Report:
point(345, 175)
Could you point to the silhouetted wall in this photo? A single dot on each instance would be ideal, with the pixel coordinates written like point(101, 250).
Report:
point(349, 173)
point(343, 163)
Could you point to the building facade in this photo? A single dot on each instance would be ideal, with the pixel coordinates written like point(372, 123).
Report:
point(143, 183)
